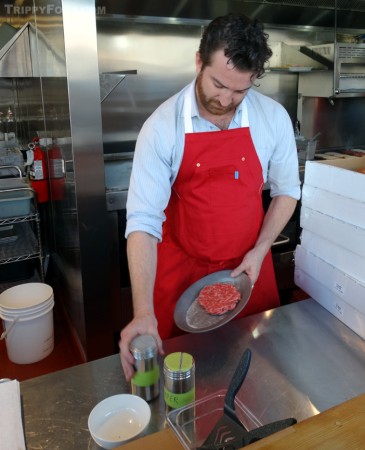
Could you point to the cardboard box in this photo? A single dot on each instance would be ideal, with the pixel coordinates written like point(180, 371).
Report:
point(345, 260)
point(343, 286)
point(285, 56)
point(335, 230)
point(335, 205)
point(338, 176)
point(346, 313)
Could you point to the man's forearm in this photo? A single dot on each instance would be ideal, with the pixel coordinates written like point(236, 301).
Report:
point(280, 210)
point(142, 263)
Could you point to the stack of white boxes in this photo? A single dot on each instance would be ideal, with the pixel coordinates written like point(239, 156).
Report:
point(330, 260)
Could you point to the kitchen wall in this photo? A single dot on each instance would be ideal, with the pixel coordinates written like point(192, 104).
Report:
point(339, 120)
point(163, 54)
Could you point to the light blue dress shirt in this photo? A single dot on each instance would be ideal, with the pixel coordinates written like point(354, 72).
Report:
point(160, 146)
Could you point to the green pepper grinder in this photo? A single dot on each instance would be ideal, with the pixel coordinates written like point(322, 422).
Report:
point(146, 380)
point(179, 380)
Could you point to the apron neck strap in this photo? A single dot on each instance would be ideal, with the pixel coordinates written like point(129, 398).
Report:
point(187, 111)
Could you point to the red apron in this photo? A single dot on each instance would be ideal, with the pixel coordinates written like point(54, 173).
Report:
point(213, 218)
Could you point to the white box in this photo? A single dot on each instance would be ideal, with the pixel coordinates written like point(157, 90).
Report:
point(349, 262)
point(338, 176)
point(346, 313)
point(344, 208)
point(284, 55)
point(338, 231)
point(338, 282)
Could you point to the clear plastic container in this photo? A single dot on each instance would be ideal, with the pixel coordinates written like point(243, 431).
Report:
point(193, 423)
point(15, 203)
point(306, 149)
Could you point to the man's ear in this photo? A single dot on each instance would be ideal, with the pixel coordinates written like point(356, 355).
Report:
point(198, 62)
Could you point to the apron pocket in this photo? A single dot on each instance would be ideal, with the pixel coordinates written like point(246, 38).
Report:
point(225, 185)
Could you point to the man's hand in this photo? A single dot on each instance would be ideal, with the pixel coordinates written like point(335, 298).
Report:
point(143, 324)
point(251, 265)
point(279, 212)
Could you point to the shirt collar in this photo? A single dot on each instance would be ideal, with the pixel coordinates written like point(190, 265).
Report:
point(194, 106)
point(195, 111)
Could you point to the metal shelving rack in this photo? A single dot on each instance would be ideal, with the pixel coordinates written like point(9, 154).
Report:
point(28, 242)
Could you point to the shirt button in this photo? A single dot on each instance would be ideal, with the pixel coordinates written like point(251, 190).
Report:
point(243, 158)
point(197, 164)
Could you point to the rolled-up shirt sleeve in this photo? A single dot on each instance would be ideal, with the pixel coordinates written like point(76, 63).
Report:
point(155, 165)
point(273, 137)
point(283, 173)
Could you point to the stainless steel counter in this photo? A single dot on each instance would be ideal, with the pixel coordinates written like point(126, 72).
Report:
point(304, 361)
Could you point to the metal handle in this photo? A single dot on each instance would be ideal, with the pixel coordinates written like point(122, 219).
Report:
point(12, 167)
point(6, 332)
point(283, 240)
point(236, 382)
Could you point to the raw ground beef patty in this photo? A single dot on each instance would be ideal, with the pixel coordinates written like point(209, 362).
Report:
point(218, 298)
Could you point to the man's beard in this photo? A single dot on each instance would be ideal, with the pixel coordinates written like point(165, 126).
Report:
point(210, 104)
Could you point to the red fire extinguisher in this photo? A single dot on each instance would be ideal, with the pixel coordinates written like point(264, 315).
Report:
point(57, 171)
point(38, 172)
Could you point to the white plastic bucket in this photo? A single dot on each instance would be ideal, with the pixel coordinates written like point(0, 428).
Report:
point(31, 337)
point(25, 312)
point(25, 296)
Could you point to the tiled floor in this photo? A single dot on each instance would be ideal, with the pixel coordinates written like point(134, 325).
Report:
point(65, 353)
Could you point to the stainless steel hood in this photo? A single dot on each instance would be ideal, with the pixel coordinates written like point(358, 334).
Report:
point(28, 54)
point(350, 13)
point(20, 56)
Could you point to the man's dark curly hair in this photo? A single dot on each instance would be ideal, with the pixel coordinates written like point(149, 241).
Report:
point(243, 40)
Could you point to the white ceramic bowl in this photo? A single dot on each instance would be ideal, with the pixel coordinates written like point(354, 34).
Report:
point(117, 419)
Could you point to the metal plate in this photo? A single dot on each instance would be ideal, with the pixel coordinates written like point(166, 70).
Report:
point(190, 316)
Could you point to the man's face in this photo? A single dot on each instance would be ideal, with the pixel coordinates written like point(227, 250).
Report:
point(221, 87)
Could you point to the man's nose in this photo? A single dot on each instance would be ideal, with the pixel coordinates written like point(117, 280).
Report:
point(225, 98)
